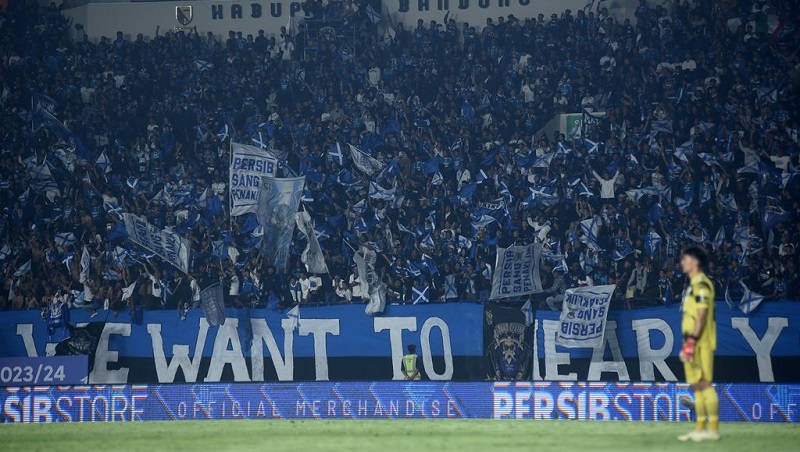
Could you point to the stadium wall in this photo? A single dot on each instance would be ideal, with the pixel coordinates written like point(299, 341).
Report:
point(456, 342)
point(390, 400)
point(131, 18)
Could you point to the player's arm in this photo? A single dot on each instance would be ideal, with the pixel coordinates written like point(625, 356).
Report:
point(702, 297)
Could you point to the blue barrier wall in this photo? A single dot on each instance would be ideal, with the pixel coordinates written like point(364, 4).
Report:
point(341, 343)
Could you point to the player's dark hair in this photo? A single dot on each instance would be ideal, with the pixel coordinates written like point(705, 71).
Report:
point(699, 254)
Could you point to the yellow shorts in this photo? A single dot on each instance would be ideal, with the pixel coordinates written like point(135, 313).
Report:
point(702, 367)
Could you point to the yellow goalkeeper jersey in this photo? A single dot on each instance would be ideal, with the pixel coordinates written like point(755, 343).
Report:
point(700, 294)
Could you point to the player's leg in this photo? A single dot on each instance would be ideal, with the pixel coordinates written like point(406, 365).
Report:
point(710, 394)
point(694, 377)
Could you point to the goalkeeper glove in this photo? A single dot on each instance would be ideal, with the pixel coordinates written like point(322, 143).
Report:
point(687, 352)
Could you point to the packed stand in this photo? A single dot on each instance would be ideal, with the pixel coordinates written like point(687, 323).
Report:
point(698, 145)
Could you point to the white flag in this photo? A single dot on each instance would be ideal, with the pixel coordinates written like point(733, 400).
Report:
point(294, 317)
point(583, 316)
point(364, 162)
point(312, 256)
point(85, 265)
point(127, 292)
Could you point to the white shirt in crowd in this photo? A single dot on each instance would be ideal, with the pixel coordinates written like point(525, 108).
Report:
point(606, 185)
point(355, 286)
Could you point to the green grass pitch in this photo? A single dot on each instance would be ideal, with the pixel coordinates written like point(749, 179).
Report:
point(388, 436)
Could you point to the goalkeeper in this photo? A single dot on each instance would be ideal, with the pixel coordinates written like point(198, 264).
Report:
point(700, 340)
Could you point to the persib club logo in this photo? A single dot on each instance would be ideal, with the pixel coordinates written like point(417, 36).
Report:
point(183, 14)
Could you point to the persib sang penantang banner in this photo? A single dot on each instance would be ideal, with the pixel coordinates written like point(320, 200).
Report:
point(455, 341)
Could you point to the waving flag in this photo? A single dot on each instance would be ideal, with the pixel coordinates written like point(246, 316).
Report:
point(312, 256)
point(212, 302)
point(682, 205)
point(64, 239)
point(23, 269)
point(203, 65)
point(591, 231)
point(420, 294)
point(719, 239)
point(335, 154)
point(86, 262)
point(661, 126)
point(543, 161)
point(378, 192)
point(365, 163)
point(773, 215)
point(278, 200)
point(41, 172)
point(727, 202)
point(749, 301)
point(592, 147)
point(103, 163)
point(294, 317)
point(651, 243)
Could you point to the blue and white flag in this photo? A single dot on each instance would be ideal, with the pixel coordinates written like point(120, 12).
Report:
point(248, 165)
point(751, 168)
point(661, 126)
point(684, 150)
point(708, 159)
point(203, 65)
point(64, 239)
point(620, 255)
point(727, 202)
point(335, 154)
point(103, 163)
point(719, 239)
point(592, 147)
point(591, 229)
point(365, 163)
point(312, 256)
point(517, 271)
point(527, 310)
point(583, 316)
point(167, 245)
point(772, 216)
point(278, 201)
point(23, 269)
point(41, 172)
point(482, 221)
point(749, 301)
point(682, 205)
point(378, 192)
point(133, 184)
point(420, 294)
point(294, 317)
point(450, 289)
point(543, 161)
point(437, 179)
point(373, 15)
point(583, 190)
point(652, 241)
point(213, 304)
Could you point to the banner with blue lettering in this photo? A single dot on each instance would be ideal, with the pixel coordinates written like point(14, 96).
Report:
point(248, 165)
point(340, 343)
point(583, 316)
point(167, 245)
point(517, 271)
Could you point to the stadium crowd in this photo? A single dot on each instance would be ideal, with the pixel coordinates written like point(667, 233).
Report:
point(698, 144)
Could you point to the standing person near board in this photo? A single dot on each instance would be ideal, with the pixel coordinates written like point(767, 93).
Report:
point(699, 342)
point(410, 364)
